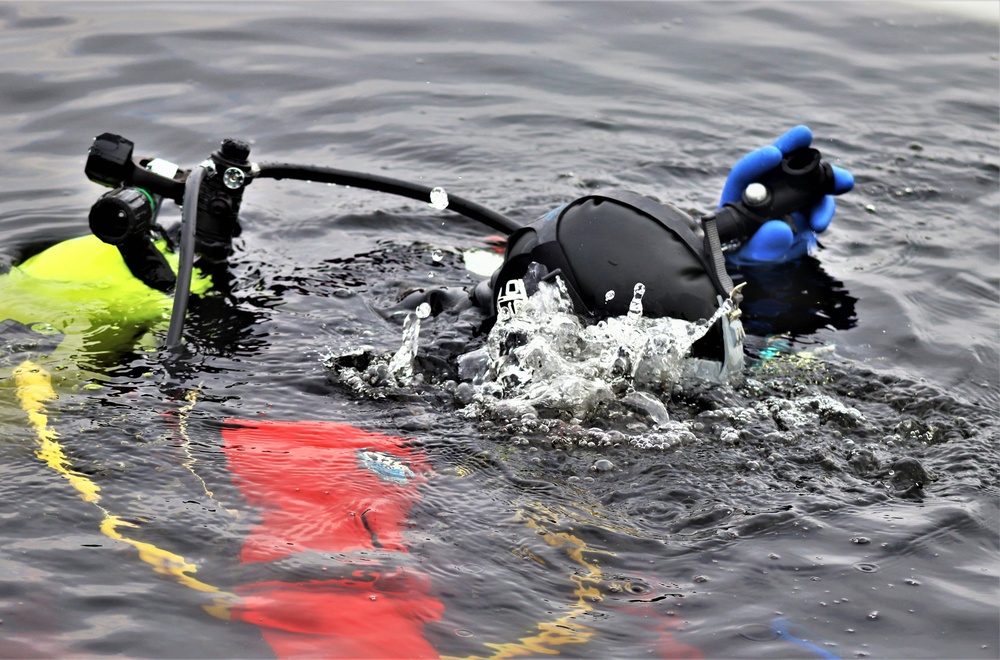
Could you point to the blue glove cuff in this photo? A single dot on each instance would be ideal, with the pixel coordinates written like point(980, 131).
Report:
point(774, 242)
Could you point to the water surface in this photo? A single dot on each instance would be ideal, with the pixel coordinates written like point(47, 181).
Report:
point(852, 492)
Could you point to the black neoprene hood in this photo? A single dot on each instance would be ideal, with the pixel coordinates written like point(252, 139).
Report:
point(610, 242)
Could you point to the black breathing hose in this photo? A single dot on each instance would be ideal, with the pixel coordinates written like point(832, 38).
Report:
point(182, 289)
point(469, 209)
point(189, 216)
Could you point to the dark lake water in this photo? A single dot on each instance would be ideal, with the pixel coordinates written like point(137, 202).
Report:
point(841, 503)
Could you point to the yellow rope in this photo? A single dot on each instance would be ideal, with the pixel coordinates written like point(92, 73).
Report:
point(34, 390)
point(182, 430)
point(565, 629)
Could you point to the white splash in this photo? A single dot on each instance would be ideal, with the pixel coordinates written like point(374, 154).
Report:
point(635, 307)
point(546, 356)
point(401, 364)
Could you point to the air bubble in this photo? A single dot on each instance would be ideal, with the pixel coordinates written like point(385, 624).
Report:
point(602, 465)
point(758, 632)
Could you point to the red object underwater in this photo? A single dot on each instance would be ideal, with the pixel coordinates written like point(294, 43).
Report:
point(331, 488)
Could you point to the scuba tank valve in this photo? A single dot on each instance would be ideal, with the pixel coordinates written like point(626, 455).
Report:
point(124, 217)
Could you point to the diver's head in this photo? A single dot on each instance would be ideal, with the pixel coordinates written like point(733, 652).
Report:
point(603, 245)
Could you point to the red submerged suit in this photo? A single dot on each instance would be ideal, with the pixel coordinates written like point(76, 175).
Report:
point(331, 488)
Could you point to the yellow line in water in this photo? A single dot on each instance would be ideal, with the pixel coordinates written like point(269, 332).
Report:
point(565, 629)
point(34, 390)
point(189, 462)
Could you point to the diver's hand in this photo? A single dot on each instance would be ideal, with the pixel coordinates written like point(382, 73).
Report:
point(775, 242)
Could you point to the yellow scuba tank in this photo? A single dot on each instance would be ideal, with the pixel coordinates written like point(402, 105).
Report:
point(81, 292)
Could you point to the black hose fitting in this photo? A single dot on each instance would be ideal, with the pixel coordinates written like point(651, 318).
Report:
point(800, 181)
point(228, 173)
point(110, 163)
point(124, 217)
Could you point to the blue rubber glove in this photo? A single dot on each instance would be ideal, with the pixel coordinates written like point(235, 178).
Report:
point(775, 242)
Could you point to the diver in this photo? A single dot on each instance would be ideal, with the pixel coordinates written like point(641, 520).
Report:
point(119, 281)
point(775, 202)
point(123, 284)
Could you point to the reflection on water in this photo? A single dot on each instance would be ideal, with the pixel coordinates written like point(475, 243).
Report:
point(843, 496)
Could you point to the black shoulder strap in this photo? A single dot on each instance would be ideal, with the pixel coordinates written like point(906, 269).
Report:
point(713, 246)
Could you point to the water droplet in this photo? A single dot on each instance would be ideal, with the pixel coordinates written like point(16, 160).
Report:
point(912, 582)
point(401, 364)
point(865, 567)
point(873, 615)
point(636, 588)
point(609, 296)
point(461, 632)
point(437, 256)
point(439, 199)
point(373, 597)
point(635, 307)
point(698, 579)
point(423, 310)
point(861, 540)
